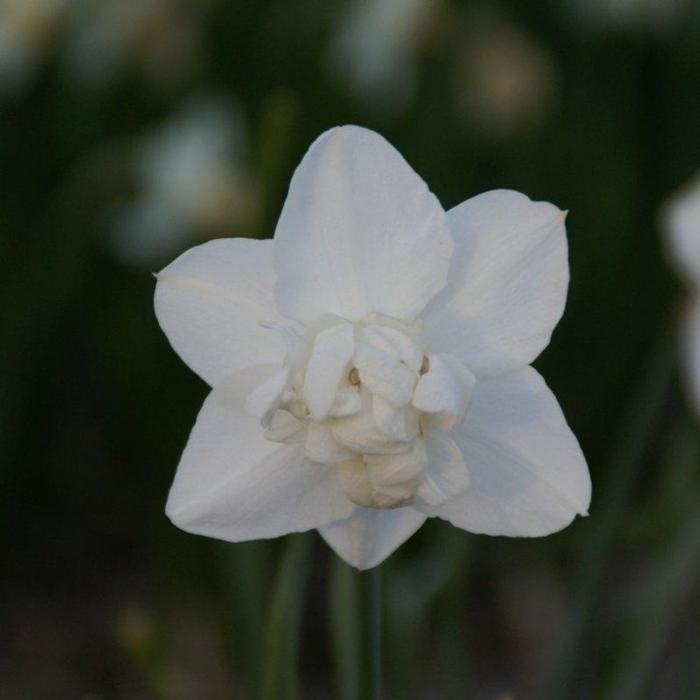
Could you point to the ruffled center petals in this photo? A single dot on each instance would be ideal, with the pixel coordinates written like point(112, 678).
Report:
point(332, 350)
point(446, 474)
point(322, 447)
point(401, 424)
point(384, 481)
point(396, 343)
point(360, 432)
point(284, 427)
point(264, 400)
point(444, 390)
point(385, 375)
point(347, 402)
point(364, 400)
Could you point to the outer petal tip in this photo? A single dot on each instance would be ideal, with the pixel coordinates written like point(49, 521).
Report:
point(507, 284)
point(209, 302)
point(369, 535)
point(529, 475)
point(234, 484)
point(359, 232)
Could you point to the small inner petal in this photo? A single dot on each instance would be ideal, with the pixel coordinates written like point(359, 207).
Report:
point(264, 400)
point(445, 388)
point(322, 447)
point(385, 375)
point(327, 364)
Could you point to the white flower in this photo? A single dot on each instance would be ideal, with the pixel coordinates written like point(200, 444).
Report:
point(681, 222)
point(191, 178)
point(370, 364)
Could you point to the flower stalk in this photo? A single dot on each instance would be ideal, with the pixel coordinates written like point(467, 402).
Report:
point(280, 676)
point(372, 599)
point(346, 630)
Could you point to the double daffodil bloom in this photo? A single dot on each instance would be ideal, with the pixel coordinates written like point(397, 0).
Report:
point(370, 364)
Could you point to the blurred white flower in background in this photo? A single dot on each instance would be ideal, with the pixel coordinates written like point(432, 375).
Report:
point(27, 30)
point(681, 224)
point(191, 180)
point(504, 79)
point(370, 365)
point(656, 15)
point(375, 49)
point(160, 38)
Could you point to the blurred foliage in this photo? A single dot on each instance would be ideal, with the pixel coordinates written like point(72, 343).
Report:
point(103, 598)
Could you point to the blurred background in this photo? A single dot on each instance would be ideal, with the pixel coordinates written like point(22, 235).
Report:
point(131, 130)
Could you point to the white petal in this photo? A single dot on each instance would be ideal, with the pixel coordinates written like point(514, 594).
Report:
point(234, 484)
point(370, 535)
point(322, 447)
point(354, 479)
point(528, 475)
point(446, 388)
point(347, 402)
point(691, 353)
point(394, 342)
point(384, 375)
point(507, 284)
point(360, 433)
point(681, 221)
point(359, 232)
point(284, 427)
point(210, 302)
point(446, 474)
point(327, 365)
point(399, 424)
point(411, 329)
point(264, 399)
point(394, 478)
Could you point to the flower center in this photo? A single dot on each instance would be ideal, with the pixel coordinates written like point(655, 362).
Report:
point(360, 397)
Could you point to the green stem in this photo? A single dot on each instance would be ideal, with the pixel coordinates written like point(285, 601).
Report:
point(373, 632)
point(345, 625)
point(245, 571)
point(638, 430)
point(655, 608)
point(281, 678)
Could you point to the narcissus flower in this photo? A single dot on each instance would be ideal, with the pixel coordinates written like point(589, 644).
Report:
point(370, 364)
point(681, 222)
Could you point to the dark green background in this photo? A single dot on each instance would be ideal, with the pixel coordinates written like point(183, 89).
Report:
point(101, 597)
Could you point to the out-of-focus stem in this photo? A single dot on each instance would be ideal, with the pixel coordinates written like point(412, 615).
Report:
point(280, 677)
point(373, 631)
point(637, 432)
point(345, 626)
point(655, 608)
